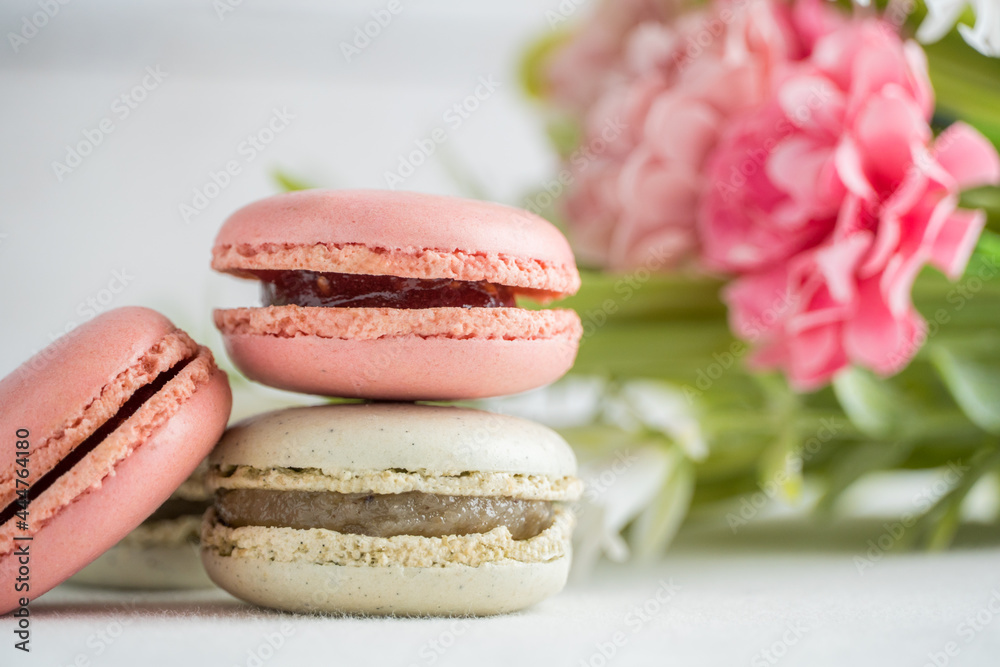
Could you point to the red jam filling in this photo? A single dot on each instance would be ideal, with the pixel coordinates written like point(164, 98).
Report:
point(345, 290)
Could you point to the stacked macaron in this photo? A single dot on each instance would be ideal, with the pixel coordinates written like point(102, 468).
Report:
point(393, 507)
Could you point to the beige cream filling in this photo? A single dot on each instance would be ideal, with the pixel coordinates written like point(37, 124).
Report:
point(382, 515)
point(326, 547)
point(534, 487)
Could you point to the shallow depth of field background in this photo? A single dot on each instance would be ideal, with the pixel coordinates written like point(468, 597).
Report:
point(113, 224)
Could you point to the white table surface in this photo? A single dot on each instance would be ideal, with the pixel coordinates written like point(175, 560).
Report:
point(779, 593)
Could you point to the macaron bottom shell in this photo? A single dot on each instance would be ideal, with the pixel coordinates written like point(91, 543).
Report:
point(456, 590)
point(401, 368)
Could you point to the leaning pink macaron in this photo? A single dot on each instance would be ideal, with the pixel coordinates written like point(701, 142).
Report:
point(113, 417)
point(393, 295)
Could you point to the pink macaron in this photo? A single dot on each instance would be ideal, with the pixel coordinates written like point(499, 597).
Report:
point(98, 429)
point(396, 295)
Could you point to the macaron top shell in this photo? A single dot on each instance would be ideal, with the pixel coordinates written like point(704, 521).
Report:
point(358, 438)
point(69, 375)
point(398, 233)
point(401, 436)
point(66, 391)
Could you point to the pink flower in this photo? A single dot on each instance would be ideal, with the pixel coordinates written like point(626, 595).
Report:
point(829, 199)
point(577, 72)
point(640, 171)
point(786, 146)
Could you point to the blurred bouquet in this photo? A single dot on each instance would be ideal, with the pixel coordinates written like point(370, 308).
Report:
point(792, 248)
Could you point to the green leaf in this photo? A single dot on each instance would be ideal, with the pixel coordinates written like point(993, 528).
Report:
point(938, 526)
point(871, 404)
point(973, 382)
point(564, 134)
point(531, 68)
point(988, 246)
point(653, 530)
point(781, 464)
point(850, 462)
point(289, 183)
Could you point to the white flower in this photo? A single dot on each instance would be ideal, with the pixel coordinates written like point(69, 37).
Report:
point(664, 408)
point(943, 14)
point(620, 487)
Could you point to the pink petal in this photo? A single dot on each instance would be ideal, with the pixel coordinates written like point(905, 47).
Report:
point(955, 242)
point(653, 191)
point(919, 229)
point(896, 282)
point(662, 250)
point(877, 64)
point(795, 166)
point(886, 130)
point(768, 355)
point(814, 357)
point(813, 20)
point(852, 217)
point(850, 168)
point(812, 100)
point(887, 237)
point(877, 339)
point(819, 310)
point(914, 187)
point(726, 87)
point(758, 303)
point(681, 130)
point(923, 92)
point(838, 262)
point(968, 156)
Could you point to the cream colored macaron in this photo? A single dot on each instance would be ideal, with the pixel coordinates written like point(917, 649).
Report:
point(390, 509)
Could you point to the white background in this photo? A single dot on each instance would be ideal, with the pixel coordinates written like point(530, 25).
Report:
point(118, 211)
